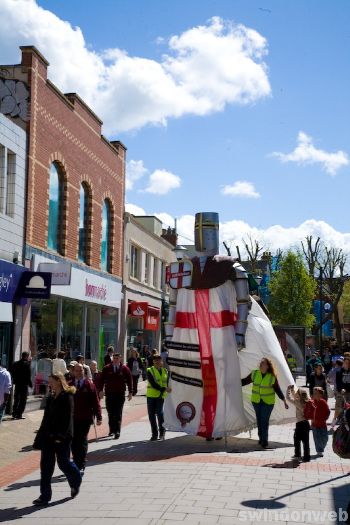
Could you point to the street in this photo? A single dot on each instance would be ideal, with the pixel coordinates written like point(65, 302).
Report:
point(180, 480)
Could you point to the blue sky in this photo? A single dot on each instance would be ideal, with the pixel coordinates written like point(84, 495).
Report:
point(308, 45)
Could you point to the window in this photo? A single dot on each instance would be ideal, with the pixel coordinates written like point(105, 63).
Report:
point(55, 198)
point(134, 262)
point(83, 222)
point(146, 275)
point(7, 181)
point(105, 238)
point(155, 281)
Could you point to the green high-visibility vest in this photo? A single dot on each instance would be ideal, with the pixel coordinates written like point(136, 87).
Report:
point(161, 378)
point(292, 362)
point(263, 388)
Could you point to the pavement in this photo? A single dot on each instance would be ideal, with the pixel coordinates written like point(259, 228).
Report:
point(180, 480)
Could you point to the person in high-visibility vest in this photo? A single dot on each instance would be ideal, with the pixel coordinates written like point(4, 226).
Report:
point(264, 390)
point(292, 362)
point(157, 389)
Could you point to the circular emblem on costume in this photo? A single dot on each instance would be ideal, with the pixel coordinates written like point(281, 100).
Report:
point(185, 412)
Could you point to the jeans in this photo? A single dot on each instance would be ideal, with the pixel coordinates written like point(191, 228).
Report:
point(80, 443)
point(114, 406)
point(2, 410)
point(49, 454)
point(301, 435)
point(19, 400)
point(263, 413)
point(155, 412)
point(135, 380)
point(320, 439)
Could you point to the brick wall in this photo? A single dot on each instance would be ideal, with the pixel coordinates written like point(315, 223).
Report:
point(63, 130)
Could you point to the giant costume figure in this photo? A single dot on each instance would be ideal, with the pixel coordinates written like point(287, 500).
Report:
point(217, 334)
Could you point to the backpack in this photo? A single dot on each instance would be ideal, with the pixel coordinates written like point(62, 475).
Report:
point(309, 409)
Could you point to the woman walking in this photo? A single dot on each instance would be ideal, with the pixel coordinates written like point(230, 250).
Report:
point(264, 390)
point(318, 378)
point(54, 439)
point(135, 367)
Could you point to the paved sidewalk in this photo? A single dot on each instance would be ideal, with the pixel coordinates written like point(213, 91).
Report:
point(189, 480)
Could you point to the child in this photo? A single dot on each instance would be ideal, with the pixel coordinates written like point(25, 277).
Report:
point(319, 422)
point(302, 427)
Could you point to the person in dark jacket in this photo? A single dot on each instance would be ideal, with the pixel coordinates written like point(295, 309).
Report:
point(135, 367)
point(86, 408)
point(115, 378)
point(108, 358)
point(342, 387)
point(21, 378)
point(318, 378)
point(54, 439)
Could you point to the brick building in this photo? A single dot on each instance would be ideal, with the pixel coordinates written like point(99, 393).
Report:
point(74, 221)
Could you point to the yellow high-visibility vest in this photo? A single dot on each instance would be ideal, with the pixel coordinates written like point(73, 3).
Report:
point(262, 389)
point(161, 378)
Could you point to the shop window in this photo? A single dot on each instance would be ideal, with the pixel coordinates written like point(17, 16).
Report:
point(135, 262)
point(72, 328)
point(55, 207)
point(83, 222)
point(44, 314)
point(7, 181)
point(106, 255)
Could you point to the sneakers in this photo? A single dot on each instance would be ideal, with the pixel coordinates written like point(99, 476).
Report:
point(40, 502)
point(296, 457)
point(306, 459)
point(117, 435)
point(320, 454)
point(154, 438)
point(74, 492)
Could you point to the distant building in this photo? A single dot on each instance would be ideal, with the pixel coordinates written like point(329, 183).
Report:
point(147, 253)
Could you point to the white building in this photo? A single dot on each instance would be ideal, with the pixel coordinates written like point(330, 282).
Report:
point(146, 255)
point(12, 223)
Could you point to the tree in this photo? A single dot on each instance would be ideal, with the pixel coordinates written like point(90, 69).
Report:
point(253, 249)
point(292, 293)
point(345, 302)
point(312, 251)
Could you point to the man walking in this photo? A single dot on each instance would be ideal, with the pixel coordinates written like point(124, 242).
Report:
point(86, 407)
point(115, 377)
point(21, 377)
point(157, 389)
point(5, 389)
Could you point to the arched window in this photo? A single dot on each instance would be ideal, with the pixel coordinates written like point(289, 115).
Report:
point(83, 222)
point(55, 209)
point(105, 237)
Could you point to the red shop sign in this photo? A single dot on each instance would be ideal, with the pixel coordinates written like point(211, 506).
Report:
point(137, 309)
point(152, 319)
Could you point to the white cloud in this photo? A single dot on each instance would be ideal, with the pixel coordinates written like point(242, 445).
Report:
point(134, 209)
point(162, 181)
point(135, 170)
point(204, 68)
point(306, 153)
point(274, 237)
point(241, 189)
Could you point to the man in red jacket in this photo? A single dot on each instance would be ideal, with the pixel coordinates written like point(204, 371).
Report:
point(86, 407)
point(115, 377)
point(319, 422)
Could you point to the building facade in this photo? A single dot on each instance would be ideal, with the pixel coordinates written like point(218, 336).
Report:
point(13, 143)
point(74, 219)
point(145, 293)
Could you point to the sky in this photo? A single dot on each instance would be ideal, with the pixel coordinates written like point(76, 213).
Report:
point(235, 106)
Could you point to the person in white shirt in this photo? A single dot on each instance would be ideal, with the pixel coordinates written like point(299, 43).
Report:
point(59, 365)
point(5, 389)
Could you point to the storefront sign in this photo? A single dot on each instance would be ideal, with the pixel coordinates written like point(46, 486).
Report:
point(86, 286)
point(137, 309)
point(152, 319)
point(179, 274)
point(35, 285)
point(10, 275)
point(61, 272)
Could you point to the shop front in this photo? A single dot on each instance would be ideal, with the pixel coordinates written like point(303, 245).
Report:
point(82, 315)
point(143, 325)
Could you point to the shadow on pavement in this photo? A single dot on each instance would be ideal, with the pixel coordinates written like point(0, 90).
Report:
point(32, 483)
point(140, 451)
point(291, 463)
point(13, 513)
point(275, 503)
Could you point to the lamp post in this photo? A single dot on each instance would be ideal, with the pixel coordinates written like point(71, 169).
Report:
point(321, 309)
point(179, 252)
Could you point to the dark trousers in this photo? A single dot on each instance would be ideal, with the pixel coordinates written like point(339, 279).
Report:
point(155, 412)
point(19, 400)
point(320, 439)
point(80, 443)
point(135, 380)
point(263, 413)
point(301, 435)
point(49, 454)
point(114, 406)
